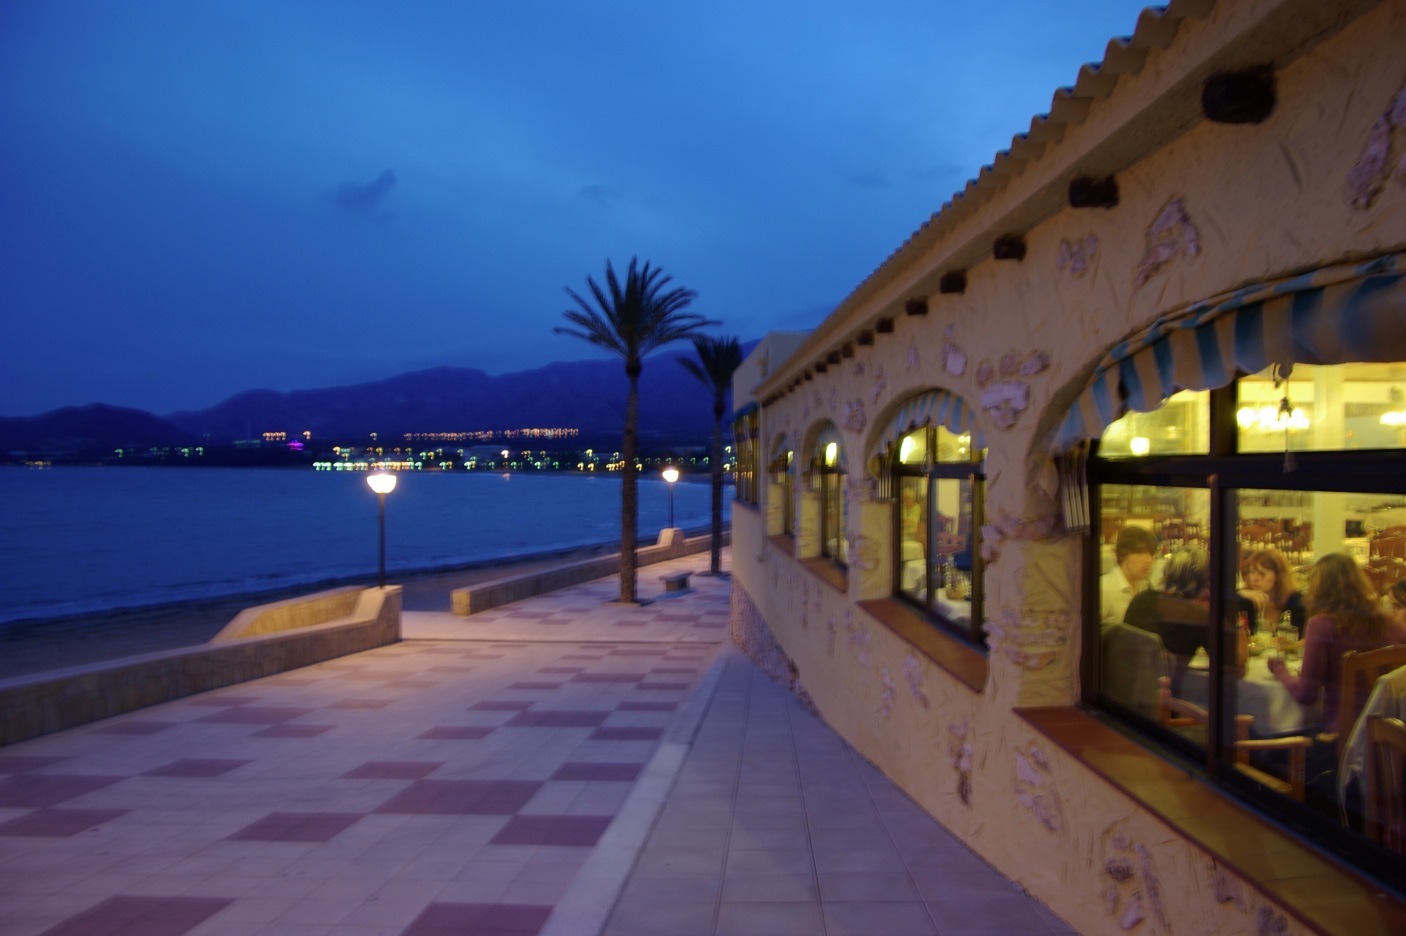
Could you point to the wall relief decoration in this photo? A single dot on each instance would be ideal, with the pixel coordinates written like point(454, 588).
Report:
point(960, 752)
point(889, 693)
point(881, 383)
point(913, 673)
point(855, 419)
point(1171, 235)
point(1035, 788)
point(1369, 174)
point(1134, 889)
point(1075, 255)
point(954, 359)
point(915, 360)
point(1030, 641)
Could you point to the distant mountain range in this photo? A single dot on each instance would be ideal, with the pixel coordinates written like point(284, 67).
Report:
point(585, 395)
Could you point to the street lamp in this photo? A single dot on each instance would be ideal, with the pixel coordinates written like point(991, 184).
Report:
point(671, 474)
point(382, 482)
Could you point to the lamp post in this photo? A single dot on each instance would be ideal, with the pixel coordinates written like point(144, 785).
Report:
point(671, 474)
point(382, 482)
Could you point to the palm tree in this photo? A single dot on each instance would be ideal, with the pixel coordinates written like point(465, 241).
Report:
point(717, 359)
point(631, 320)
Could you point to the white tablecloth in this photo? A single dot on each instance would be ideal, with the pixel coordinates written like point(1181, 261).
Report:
point(1261, 695)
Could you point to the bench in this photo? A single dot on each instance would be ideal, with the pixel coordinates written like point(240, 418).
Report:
point(675, 581)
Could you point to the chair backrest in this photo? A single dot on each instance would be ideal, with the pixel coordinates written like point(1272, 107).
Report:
point(1386, 782)
point(1360, 671)
point(1132, 661)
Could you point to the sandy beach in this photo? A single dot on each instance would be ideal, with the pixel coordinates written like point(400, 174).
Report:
point(30, 647)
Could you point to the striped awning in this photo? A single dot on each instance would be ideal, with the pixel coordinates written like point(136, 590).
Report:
point(934, 408)
point(1336, 315)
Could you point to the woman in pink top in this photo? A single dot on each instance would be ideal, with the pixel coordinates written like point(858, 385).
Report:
point(1343, 616)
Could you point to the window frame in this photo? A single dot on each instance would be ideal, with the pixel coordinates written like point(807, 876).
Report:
point(1223, 472)
point(828, 479)
point(931, 471)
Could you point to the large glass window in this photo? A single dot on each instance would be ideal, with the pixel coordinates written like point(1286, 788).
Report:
point(745, 429)
point(937, 506)
point(1233, 583)
point(828, 477)
point(783, 486)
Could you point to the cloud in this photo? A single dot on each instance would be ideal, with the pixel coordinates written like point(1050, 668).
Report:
point(365, 196)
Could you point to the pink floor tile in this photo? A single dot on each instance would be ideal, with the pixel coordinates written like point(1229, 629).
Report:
point(462, 797)
point(36, 791)
point(393, 770)
point(292, 731)
point(134, 727)
point(674, 670)
point(590, 770)
point(535, 685)
point(58, 823)
point(562, 669)
point(195, 767)
point(607, 677)
point(256, 715)
point(557, 719)
point(627, 734)
point(631, 706)
point(360, 704)
point(456, 733)
point(21, 763)
point(496, 705)
point(580, 831)
point(454, 919)
point(672, 686)
point(222, 701)
point(297, 827)
point(141, 916)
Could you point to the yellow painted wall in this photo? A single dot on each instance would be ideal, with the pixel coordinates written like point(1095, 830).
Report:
point(1265, 200)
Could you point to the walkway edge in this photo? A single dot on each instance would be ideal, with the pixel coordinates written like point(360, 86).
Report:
point(584, 909)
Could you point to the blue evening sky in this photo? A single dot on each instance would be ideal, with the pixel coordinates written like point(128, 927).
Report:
point(200, 197)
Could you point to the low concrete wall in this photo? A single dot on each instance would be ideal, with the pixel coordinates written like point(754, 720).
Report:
point(485, 595)
point(270, 639)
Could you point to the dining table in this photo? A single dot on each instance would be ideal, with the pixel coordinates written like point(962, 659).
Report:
point(1257, 693)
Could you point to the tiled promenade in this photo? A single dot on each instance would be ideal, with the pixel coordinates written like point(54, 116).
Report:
point(559, 766)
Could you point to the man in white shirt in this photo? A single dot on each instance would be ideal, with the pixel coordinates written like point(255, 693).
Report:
point(1132, 552)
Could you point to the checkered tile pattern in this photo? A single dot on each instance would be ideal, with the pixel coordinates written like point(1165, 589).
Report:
point(454, 782)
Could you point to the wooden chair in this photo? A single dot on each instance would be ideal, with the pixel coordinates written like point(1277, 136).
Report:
point(1360, 671)
point(1386, 782)
point(1178, 713)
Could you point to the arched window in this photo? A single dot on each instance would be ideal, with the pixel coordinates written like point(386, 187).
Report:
point(828, 473)
point(935, 466)
point(1248, 448)
point(746, 426)
point(782, 470)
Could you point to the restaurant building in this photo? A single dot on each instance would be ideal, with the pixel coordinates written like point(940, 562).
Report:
point(1176, 305)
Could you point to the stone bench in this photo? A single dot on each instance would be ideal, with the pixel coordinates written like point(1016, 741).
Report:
point(676, 581)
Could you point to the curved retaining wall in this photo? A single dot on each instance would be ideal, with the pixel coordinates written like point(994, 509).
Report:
point(259, 642)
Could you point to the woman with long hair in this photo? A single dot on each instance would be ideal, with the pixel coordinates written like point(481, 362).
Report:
point(1343, 615)
point(1274, 588)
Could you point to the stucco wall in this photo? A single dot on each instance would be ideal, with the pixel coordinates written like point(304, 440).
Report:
point(1245, 204)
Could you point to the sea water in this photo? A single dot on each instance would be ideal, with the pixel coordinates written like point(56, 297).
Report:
point(94, 539)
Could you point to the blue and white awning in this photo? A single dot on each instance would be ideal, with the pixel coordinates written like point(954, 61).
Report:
point(934, 408)
point(1336, 315)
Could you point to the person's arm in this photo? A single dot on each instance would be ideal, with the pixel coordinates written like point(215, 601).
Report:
point(1306, 686)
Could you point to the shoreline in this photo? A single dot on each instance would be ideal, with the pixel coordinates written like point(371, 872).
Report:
point(35, 645)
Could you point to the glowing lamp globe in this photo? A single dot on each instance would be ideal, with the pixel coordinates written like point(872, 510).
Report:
point(671, 474)
point(382, 482)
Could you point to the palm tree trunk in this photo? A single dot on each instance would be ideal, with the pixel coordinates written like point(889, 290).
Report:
point(629, 491)
point(717, 463)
